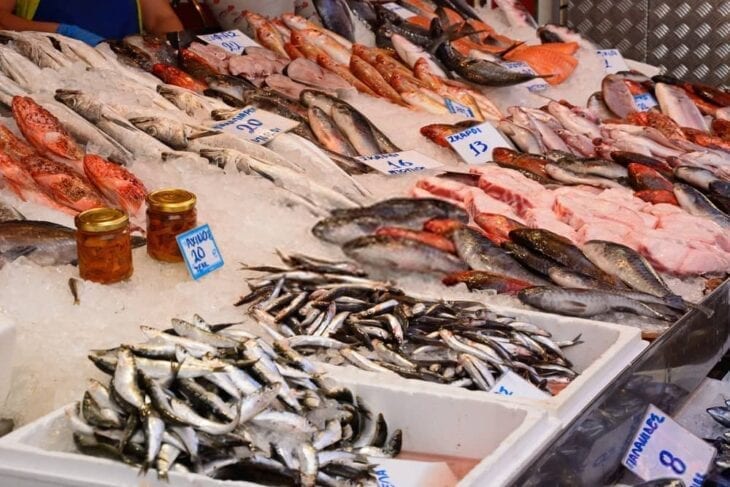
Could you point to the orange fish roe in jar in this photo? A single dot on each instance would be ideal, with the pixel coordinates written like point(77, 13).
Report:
point(104, 245)
point(170, 212)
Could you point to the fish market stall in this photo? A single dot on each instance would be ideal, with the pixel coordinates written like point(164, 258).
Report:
point(365, 238)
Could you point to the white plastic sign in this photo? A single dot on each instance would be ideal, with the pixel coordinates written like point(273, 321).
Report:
point(458, 108)
point(534, 85)
point(233, 41)
point(645, 101)
point(397, 163)
point(613, 61)
point(401, 12)
point(396, 472)
point(200, 251)
point(475, 144)
point(662, 448)
point(256, 125)
point(512, 385)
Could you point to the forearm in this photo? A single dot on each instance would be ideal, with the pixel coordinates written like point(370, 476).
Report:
point(163, 25)
point(8, 21)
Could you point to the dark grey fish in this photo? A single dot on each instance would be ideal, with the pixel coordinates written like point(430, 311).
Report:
point(594, 167)
point(335, 16)
point(698, 177)
point(365, 11)
point(695, 203)
point(357, 129)
point(401, 254)
point(480, 71)
point(583, 303)
point(482, 255)
point(530, 259)
point(462, 7)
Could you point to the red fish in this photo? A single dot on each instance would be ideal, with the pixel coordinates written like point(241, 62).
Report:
point(22, 183)
point(370, 76)
point(497, 227)
point(643, 177)
point(432, 239)
point(44, 131)
point(721, 129)
point(13, 145)
point(442, 226)
point(626, 158)
point(706, 140)
point(656, 196)
point(65, 186)
point(174, 76)
point(120, 186)
point(439, 133)
point(485, 281)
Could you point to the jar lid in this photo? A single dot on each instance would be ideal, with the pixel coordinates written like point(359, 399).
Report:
point(101, 220)
point(171, 200)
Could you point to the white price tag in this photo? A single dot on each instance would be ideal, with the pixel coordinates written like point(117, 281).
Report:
point(475, 144)
point(458, 108)
point(645, 101)
point(613, 61)
point(397, 163)
point(662, 448)
point(401, 12)
point(256, 125)
point(512, 385)
point(233, 41)
point(200, 251)
point(537, 84)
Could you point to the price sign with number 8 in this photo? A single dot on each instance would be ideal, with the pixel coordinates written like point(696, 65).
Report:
point(675, 463)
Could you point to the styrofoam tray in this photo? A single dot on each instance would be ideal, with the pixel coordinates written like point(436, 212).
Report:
point(7, 345)
point(606, 350)
point(499, 436)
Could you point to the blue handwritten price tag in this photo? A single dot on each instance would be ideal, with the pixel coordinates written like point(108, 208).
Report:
point(256, 125)
point(401, 12)
point(645, 102)
point(475, 144)
point(662, 448)
point(613, 61)
point(233, 41)
point(458, 108)
point(512, 385)
point(200, 251)
point(397, 163)
point(534, 85)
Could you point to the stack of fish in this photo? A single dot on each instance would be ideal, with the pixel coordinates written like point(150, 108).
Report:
point(52, 169)
point(317, 305)
point(721, 464)
point(603, 280)
point(215, 400)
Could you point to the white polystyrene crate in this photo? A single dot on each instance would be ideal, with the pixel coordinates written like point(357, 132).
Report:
point(478, 430)
point(607, 349)
point(7, 345)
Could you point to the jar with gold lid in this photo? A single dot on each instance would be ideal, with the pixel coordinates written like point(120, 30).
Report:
point(170, 212)
point(104, 245)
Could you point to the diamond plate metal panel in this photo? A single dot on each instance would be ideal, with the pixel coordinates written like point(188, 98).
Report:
point(690, 39)
point(621, 25)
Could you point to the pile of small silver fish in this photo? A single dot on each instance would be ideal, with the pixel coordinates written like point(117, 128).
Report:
point(315, 304)
point(218, 401)
point(721, 464)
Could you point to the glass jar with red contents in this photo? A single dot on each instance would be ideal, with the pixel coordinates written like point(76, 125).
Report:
point(104, 245)
point(170, 212)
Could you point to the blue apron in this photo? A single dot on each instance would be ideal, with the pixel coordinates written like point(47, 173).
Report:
point(110, 19)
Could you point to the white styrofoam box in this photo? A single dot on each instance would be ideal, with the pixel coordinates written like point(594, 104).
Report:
point(607, 349)
point(476, 429)
point(7, 345)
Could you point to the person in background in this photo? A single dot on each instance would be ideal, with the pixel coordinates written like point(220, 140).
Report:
point(91, 21)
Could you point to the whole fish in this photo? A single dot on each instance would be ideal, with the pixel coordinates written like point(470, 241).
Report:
point(118, 185)
point(482, 255)
point(631, 268)
point(168, 131)
point(582, 302)
point(44, 131)
point(695, 203)
point(44, 243)
point(593, 167)
point(675, 103)
point(480, 71)
point(696, 176)
point(617, 97)
point(481, 280)
point(402, 254)
point(64, 185)
point(645, 178)
point(559, 249)
point(335, 16)
point(175, 76)
point(372, 78)
point(196, 106)
point(328, 133)
point(563, 175)
point(357, 129)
